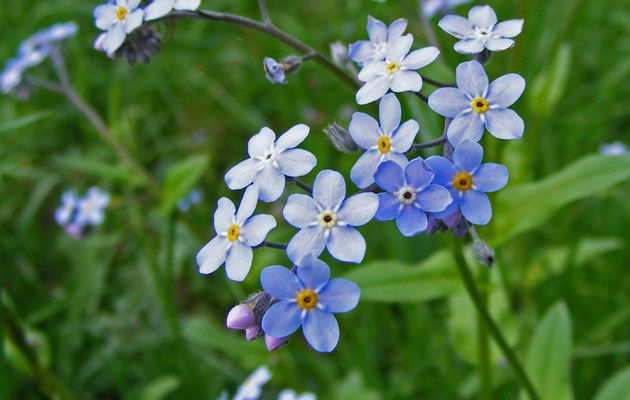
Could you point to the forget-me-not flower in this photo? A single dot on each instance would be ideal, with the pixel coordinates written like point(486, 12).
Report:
point(90, 209)
point(43, 39)
point(307, 298)
point(397, 72)
point(117, 18)
point(289, 394)
point(274, 71)
point(270, 161)
point(389, 141)
point(613, 149)
point(159, 8)
point(481, 31)
point(432, 7)
point(409, 195)
point(237, 232)
point(65, 212)
point(468, 181)
point(475, 104)
point(251, 388)
point(326, 220)
point(381, 39)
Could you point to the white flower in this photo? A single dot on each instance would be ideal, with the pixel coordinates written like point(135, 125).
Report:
point(118, 18)
point(251, 389)
point(397, 72)
point(481, 30)
point(289, 394)
point(381, 39)
point(159, 8)
point(270, 161)
point(237, 232)
point(90, 208)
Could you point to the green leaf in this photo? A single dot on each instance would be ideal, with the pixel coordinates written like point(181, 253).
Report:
point(549, 86)
point(528, 206)
point(14, 124)
point(548, 362)
point(181, 179)
point(352, 387)
point(160, 388)
point(616, 387)
point(113, 172)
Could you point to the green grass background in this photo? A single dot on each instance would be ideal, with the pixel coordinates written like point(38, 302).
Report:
point(99, 325)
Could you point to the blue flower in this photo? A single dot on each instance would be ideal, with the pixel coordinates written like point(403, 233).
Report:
point(432, 7)
point(481, 31)
point(13, 72)
point(159, 8)
point(69, 203)
point(43, 39)
point(90, 209)
point(475, 104)
point(274, 71)
point(381, 39)
point(308, 299)
point(237, 232)
point(396, 72)
point(326, 220)
point(117, 18)
point(613, 149)
point(468, 181)
point(409, 195)
point(389, 141)
point(270, 161)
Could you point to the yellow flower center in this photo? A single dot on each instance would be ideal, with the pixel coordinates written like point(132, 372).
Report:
point(121, 13)
point(328, 219)
point(384, 144)
point(462, 181)
point(480, 105)
point(306, 299)
point(232, 233)
point(392, 67)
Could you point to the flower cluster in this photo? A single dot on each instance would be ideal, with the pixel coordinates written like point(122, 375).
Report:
point(78, 214)
point(252, 387)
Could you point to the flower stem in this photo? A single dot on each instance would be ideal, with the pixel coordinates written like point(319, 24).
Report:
point(272, 245)
point(488, 322)
point(301, 185)
point(427, 145)
point(483, 340)
point(264, 13)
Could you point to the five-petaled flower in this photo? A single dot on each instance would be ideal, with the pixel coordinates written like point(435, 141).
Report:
point(397, 72)
point(237, 232)
point(118, 18)
point(326, 220)
point(475, 104)
point(389, 141)
point(381, 39)
point(159, 8)
point(90, 208)
point(307, 298)
point(481, 31)
point(409, 195)
point(270, 161)
point(468, 181)
point(274, 71)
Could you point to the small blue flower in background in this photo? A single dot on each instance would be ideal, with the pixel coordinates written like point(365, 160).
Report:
point(468, 181)
point(270, 161)
point(389, 141)
point(432, 7)
point(289, 394)
point(308, 298)
point(613, 149)
point(159, 8)
point(251, 389)
point(69, 202)
point(274, 71)
point(481, 31)
point(90, 210)
point(409, 195)
point(44, 38)
point(381, 38)
point(194, 197)
point(117, 18)
point(326, 220)
point(475, 104)
point(237, 232)
point(397, 72)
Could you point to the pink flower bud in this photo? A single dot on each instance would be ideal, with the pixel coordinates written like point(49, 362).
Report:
point(240, 317)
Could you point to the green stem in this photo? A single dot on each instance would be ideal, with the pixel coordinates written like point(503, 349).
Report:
point(485, 366)
point(4, 371)
point(491, 326)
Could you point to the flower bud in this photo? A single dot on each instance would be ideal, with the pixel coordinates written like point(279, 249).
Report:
point(484, 253)
point(253, 332)
point(274, 71)
point(139, 46)
point(240, 317)
point(340, 138)
point(339, 53)
point(273, 343)
point(291, 64)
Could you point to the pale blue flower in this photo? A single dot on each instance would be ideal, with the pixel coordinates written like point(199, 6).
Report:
point(90, 209)
point(326, 220)
point(274, 71)
point(432, 7)
point(192, 198)
point(251, 389)
point(381, 39)
point(307, 298)
point(468, 181)
point(271, 161)
point(69, 203)
point(13, 72)
point(159, 8)
point(613, 149)
point(289, 394)
point(475, 104)
point(117, 18)
point(397, 72)
point(51, 35)
point(387, 141)
point(481, 31)
point(409, 195)
point(237, 232)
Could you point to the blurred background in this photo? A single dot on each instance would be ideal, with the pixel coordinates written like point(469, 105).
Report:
point(123, 313)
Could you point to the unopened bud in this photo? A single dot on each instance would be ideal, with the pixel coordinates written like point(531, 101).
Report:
point(274, 343)
point(340, 138)
point(240, 317)
point(253, 332)
point(484, 253)
point(339, 53)
point(291, 64)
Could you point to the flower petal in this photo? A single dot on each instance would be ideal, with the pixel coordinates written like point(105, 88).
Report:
point(490, 177)
point(452, 208)
point(362, 173)
point(449, 102)
point(300, 211)
point(469, 46)
point(242, 174)
point(364, 130)
point(239, 261)
point(377, 30)
point(312, 272)
point(497, 44)
point(503, 123)
point(321, 330)
point(373, 90)
point(293, 137)
point(309, 240)
point(212, 255)
point(406, 81)
point(187, 4)
point(248, 204)
point(467, 156)
point(372, 71)
point(404, 136)
point(339, 295)
point(346, 244)
point(114, 39)
point(280, 282)
point(224, 215)
point(396, 29)
point(256, 228)
point(104, 16)
point(388, 207)
point(133, 20)
point(270, 182)
point(505, 90)
point(476, 207)
point(282, 319)
point(508, 29)
point(399, 48)
point(260, 142)
point(362, 51)
point(420, 58)
point(467, 126)
point(434, 198)
point(411, 221)
point(443, 169)
point(418, 174)
point(457, 26)
point(359, 209)
point(472, 78)
point(390, 176)
point(482, 17)
point(329, 189)
point(296, 162)
point(389, 112)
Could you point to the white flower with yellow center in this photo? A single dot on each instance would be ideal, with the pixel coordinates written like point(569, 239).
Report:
point(118, 18)
point(237, 232)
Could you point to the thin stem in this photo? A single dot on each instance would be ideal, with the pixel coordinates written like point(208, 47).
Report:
point(427, 145)
point(435, 83)
point(483, 340)
point(428, 28)
point(4, 370)
point(264, 13)
point(492, 327)
point(301, 185)
point(422, 97)
point(272, 245)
